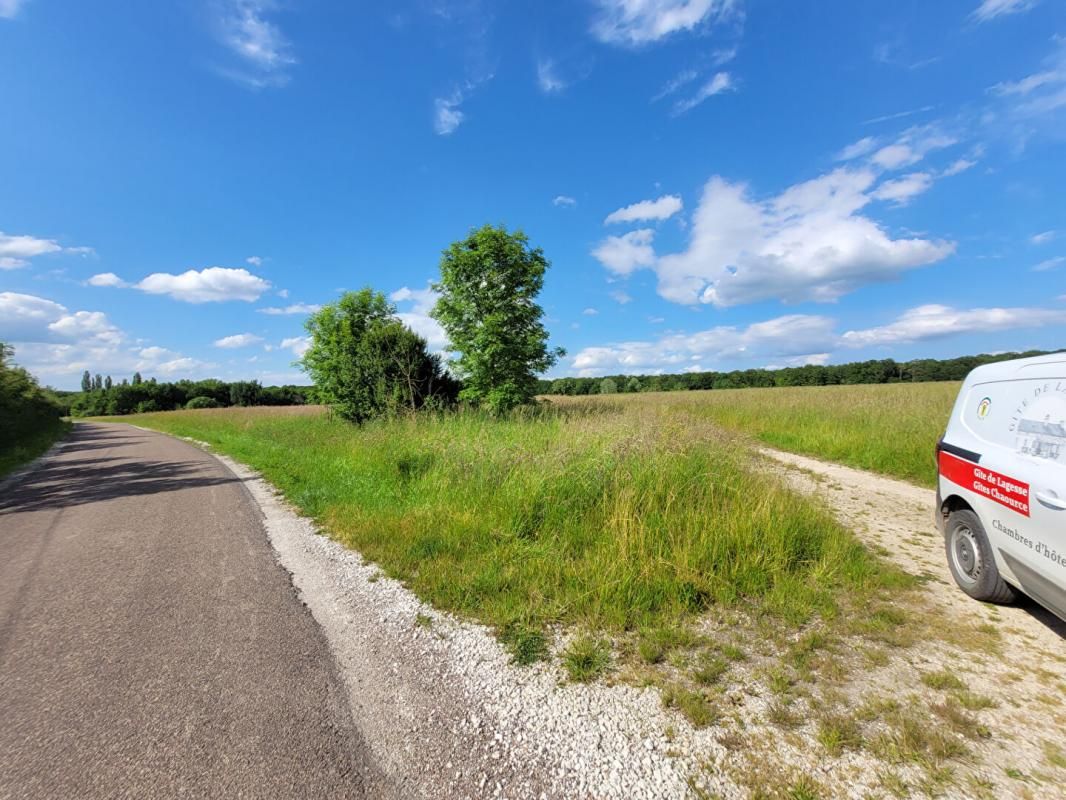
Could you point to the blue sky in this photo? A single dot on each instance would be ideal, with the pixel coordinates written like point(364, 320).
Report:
point(719, 184)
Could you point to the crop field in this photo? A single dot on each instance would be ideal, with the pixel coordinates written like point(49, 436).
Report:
point(611, 516)
point(886, 428)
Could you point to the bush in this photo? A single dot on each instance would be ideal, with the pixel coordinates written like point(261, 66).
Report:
point(203, 402)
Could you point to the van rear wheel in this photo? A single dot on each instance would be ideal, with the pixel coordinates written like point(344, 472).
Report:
point(970, 559)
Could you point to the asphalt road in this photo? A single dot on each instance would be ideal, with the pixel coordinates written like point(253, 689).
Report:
point(150, 644)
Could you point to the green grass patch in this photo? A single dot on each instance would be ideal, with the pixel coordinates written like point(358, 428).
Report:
point(31, 444)
point(586, 658)
point(887, 428)
point(611, 519)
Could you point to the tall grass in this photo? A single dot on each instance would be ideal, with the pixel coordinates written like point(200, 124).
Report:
point(609, 517)
point(31, 443)
point(888, 428)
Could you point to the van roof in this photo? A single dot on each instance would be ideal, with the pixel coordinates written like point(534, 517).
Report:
point(1002, 370)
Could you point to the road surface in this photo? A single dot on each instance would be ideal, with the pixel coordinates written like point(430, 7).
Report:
point(150, 644)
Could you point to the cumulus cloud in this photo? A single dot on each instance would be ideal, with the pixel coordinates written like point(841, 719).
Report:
point(663, 208)
point(107, 279)
point(210, 285)
point(564, 200)
point(590, 312)
point(28, 318)
point(638, 22)
point(902, 190)
point(238, 340)
point(295, 308)
point(990, 9)
point(792, 335)
point(620, 297)
point(255, 261)
point(263, 53)
point(807, 243)
point(297, 344)
point(938, 321)
point(624, 254)
point(16, 251)
point(418, 305)
point(721, 82)
point(911, 147)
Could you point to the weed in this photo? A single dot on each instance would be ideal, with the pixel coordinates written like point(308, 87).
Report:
point(974, 702)
point(423, 620)
point(586, 658)
point(709, 671)
point(837, 733)
point(693, 704)
point(782, 714)
point(526, 643)
point(960, 720)
point(942, 680)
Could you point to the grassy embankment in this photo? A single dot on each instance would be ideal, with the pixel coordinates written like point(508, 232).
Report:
point(889, 428)
point(609, 517)
point(31, 444)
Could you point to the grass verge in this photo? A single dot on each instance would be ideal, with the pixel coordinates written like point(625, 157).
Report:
point(31, 445)
point(609, 518)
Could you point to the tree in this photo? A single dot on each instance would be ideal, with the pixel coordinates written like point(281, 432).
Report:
point(86, 381)
point(137, 379)
point(244, 393)
point(608, 386)
point(107, 383)
point(365, 362)
point(98, 382)
point(488, 287)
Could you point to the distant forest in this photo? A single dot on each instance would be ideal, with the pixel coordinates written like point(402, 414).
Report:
point(880, 371)
point(101, 396)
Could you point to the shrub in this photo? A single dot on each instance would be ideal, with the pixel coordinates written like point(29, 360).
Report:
point(203, 402)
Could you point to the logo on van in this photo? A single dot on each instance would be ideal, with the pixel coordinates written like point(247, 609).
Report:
point(984, 407)
point(1039, 423)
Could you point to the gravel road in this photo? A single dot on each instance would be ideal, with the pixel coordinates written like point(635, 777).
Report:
point(150, 643)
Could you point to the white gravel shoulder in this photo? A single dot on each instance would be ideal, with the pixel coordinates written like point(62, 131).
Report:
point(445, 712)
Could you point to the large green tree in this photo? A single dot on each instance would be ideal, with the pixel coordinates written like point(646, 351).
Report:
point(488, 288)
point(365, 362)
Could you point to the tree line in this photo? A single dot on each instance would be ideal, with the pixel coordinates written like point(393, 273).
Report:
point(26, 410)
point(101, 396)
point(876, 371)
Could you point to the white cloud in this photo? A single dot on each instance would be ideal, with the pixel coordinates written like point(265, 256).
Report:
point(1042, 238)
point(909, 112)
point(858, 149)
point(262, 49)
point(107, 279)
point(210, 285)
point(663, 208)
point(626, 253)
point(238, 340)
point(807, 243)
point(282, 293)
point(793, 335)
point(295, 308)
point(564, 200)
point(16, 251)
point(682, 79)
point(937, 321)
point(447, 115)
point(27, 318)
point(1029, 84)
point(990, 9)
point(620, 297)
point(957, 166)
point(902, 190)
point(1034, 104)
point(724, 55)
point(297, 344)
point(638, 22)
point(9, 9)
point(1049, 264)
point(255, 261)
point(548, 77)
point(420, 303)
point(721, 82)
point(911, 147)
point(590, 312)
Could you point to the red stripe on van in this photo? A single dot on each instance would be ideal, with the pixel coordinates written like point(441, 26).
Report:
point(994, 485)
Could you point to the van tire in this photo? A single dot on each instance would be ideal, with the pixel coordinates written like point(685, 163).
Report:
point(971, 561)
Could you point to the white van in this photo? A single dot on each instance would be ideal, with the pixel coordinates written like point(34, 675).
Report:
point(1001, 494)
